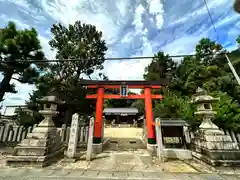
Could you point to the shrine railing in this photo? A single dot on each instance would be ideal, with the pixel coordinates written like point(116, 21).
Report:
point(11, 135)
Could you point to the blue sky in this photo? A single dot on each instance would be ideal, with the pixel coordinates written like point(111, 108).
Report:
point(130, 28)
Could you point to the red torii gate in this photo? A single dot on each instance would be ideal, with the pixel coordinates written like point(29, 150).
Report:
point(101, 85)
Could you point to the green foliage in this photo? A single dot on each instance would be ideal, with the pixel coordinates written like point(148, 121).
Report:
point(173, 107)
point(78, 41)
point(17, 47)
point(139, 104)
point(209, 70)
point(83, 43)
point(228, 111)
point(160, 67)
point(28, 119)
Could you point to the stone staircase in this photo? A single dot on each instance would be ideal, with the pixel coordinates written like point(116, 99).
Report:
point(120, 139)
point(121, 144)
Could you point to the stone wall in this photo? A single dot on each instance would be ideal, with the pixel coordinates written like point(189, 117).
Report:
point(10, 135)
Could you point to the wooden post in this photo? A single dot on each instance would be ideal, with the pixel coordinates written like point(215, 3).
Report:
point(90, 139)
point(159, 138)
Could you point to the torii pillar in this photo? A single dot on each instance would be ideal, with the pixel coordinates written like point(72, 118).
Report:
point(99, 113)
point(149, 116)
point(97, 133)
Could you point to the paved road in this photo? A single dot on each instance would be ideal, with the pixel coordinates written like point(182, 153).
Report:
point(82, 174)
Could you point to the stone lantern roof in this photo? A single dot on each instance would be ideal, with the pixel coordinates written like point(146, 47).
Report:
point(50, 99)
point(201, 96)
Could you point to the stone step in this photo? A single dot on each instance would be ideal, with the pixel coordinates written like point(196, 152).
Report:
point(30, 151)
point(124, 144)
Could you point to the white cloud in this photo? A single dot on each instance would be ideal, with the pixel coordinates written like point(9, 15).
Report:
point(138, 18)
point(4, 18)
point(183, 45)
point(156, 8)
point(46, 48)
point(23, 91)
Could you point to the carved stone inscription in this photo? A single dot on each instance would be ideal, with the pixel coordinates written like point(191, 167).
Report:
point(73, 139)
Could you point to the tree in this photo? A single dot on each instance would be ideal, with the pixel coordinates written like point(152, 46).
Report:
point(209, 70)
point(81, 42)
point(82, 48)
point(228, 112)
point(161, 66)
point(17, 49)
point(173, 106)
point(139, 104)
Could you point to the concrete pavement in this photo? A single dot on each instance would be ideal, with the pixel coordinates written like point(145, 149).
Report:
point(82, 174)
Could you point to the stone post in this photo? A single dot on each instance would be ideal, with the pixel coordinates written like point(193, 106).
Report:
point(103, 126)
point(90, 140)
point(73, 139)
point(159, 139)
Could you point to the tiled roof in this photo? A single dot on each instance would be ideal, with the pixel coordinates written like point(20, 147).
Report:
point(118, 111)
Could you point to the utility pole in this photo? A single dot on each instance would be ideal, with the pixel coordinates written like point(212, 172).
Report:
point(233, 70)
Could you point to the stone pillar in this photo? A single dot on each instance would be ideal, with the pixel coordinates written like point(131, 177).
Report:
point(43, 146)
point(73, 139)
point(186, 134)
point(103, 126)
point(90, 140)
point(159, 139)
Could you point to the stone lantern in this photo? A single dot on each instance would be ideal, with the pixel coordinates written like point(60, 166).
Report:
point(205, 110)
point(210, 144)
point(42, 146)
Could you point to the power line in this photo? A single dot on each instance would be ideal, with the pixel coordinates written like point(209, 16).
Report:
point(210, 16)
point(106, 59)
point(228, 60)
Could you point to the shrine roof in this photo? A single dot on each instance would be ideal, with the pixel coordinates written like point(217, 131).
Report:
point(174, 122)
point(119, 111)
point(118, 82)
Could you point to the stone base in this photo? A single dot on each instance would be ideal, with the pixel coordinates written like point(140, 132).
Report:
point(181, 154)
point(36, 161)
point(212, 146)
point(69, 160)
point(97, 148)
point(152, 148)
point(216, 162)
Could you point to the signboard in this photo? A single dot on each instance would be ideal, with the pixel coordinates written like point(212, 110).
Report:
point(124, 114)
point(123, 91)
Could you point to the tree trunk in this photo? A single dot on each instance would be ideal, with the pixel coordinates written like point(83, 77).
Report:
point(68, 116)
point(5, 82)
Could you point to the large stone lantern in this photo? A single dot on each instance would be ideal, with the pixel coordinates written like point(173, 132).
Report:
point(210, 144)
point(43, 146)
point(205, 110)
